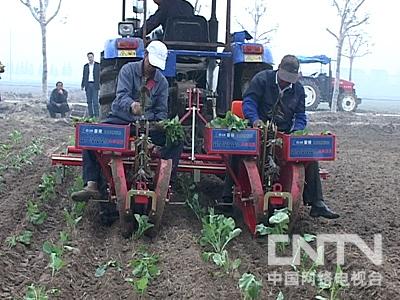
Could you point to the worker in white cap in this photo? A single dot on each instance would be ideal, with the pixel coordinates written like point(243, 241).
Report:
point(142, 93)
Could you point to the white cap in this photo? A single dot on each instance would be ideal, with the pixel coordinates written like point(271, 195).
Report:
point(158, 54)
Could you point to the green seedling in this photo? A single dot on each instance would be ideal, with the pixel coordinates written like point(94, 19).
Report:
point(55, 252)
point(76, 120)
point(250, 287)
point(27, 155)
point(144, 269)
point(77, 185)
point(74, 216)
point(280, 225)
point(230, 121)
point(174, 131)
point(24, 238)
point(36, 293)
point(193, 202)
point(143, 225)
point(301, 132)
point(35, 216)
point(64, 238)
point(306, 238)
point(15, 136)
point(47, 187)
point(101, 270)
point(217, 232)
point(333, 287)
point(280, 296)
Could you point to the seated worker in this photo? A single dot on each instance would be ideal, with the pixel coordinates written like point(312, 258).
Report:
point(134, 80)
point(58, 101)
point(280, 91)
point(166, 9)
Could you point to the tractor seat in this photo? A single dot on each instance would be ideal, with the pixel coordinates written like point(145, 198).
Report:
point(193, 29)
point(237, 109)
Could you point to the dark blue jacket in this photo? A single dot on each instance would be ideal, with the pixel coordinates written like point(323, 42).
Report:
point(262, 94)
point(128, 91)
point(167, 9)
point(96, 76)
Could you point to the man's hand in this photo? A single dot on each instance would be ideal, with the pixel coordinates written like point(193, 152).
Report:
point(136, 108)
point(60, 92)
point(258, 124)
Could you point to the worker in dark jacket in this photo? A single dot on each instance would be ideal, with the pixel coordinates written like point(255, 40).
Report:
point(142, 93)
point(91, 84)
point(58, 101)
point(279, 96)
point(167, 9)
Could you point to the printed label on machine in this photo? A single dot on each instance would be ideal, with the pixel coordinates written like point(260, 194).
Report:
point(312, 147)
point(102, 136)
point(244, 141)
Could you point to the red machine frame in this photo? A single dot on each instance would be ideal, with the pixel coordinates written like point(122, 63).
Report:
point(249, 192)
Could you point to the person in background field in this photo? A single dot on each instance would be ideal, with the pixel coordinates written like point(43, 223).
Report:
point(58, 101)
point(91, 84)
point(278, 94)
point(1, 71)
point(166, 9)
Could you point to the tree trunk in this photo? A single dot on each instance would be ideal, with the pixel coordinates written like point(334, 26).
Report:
point(335, 95)
point(44, 57)
point(351, 67)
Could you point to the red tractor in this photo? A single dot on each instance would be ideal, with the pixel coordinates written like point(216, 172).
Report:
point(318, 86)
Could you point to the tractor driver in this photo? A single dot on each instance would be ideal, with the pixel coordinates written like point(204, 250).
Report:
point(166, 9)
point(135, 81)
point(280, 91)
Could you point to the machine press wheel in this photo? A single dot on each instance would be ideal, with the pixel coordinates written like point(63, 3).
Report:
point(162, 180)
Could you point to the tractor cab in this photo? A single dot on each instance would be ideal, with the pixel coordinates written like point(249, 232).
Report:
point(318, 86)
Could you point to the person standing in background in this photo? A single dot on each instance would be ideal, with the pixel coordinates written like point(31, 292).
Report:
point(91, 84)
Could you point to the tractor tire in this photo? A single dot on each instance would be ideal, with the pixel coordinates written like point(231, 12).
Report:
point(313, 94)
point(347, 102)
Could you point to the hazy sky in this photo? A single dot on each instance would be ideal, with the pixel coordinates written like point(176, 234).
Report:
point(84, 25)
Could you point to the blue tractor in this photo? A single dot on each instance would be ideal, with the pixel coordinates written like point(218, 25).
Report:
point(194, 57)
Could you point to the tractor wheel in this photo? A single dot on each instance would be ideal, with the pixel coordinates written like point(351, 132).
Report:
point(162, 180)
point(347, 102)
point(108, 87)
point(313, 94)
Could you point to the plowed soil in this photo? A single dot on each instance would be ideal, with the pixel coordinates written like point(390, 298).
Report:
point(363, 187)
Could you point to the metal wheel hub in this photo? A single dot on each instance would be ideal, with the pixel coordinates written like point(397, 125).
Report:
point(311, 95)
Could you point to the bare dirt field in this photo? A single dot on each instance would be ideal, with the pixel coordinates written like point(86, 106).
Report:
point(363, 187)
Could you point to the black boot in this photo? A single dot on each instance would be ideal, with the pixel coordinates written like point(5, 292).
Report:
point(319, 209)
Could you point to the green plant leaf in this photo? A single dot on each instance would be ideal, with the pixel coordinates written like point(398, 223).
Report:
point(141, 284)
point(321, 298)
point(250, 286)
point(280, 296)
point(101, 270)
point(309, 237)
point(25, 237)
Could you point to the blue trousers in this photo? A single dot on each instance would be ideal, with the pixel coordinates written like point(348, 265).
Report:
point(92, 98)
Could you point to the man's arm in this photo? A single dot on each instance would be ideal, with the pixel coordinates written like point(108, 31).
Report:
point(161, 98)
point(155, 20)
point(53, 96)
point(65, 96)
point(300, 117)
point(252, 97)
point(125, 89)
point(83, 78)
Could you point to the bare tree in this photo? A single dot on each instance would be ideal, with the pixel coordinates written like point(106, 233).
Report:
point(39, 12)
point(357, 46)
point(348, 15)
point(257, 13)
point(197, 7)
